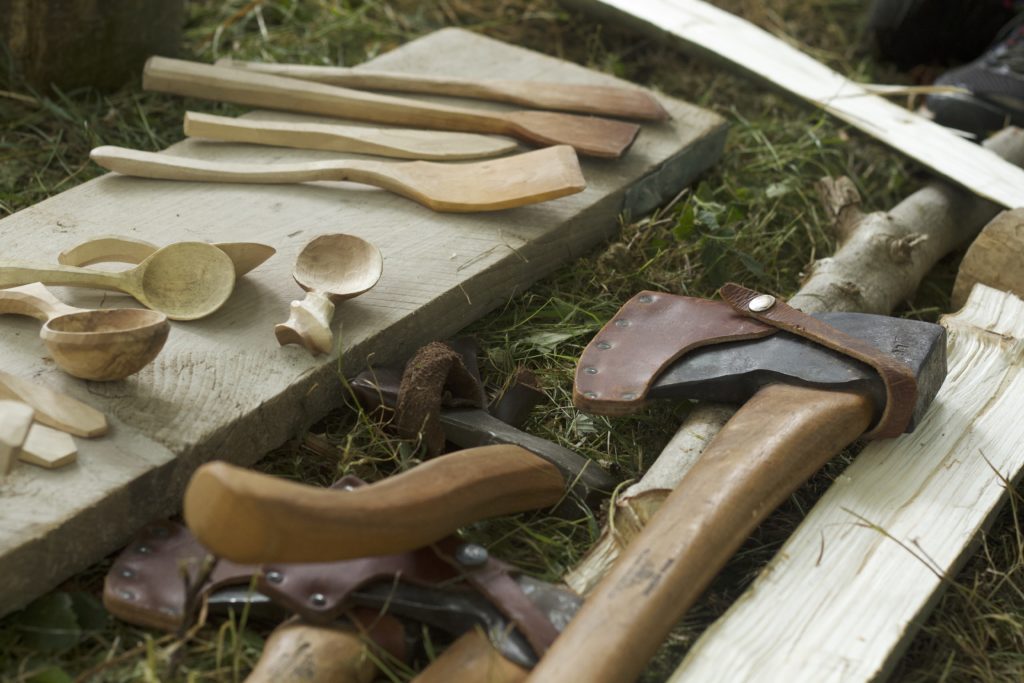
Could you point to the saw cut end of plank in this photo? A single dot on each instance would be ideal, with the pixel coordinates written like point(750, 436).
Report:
point(991, 310)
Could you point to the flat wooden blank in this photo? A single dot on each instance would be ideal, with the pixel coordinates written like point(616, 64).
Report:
point(848, 590)
point(223, 388)
point(724, 36)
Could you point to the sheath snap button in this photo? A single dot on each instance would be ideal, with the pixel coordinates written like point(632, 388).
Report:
point(471, 555)
point(761, 303)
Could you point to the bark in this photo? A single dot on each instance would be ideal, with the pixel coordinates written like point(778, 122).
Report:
point(880, 262)
point(88, 42)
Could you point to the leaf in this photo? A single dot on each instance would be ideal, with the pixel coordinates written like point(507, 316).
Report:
point(49, 624)
point(90, 614)
point(51, 674)
point(751, 263)
point(686, 223)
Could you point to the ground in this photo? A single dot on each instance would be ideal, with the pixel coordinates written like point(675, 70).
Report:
point(755, 217)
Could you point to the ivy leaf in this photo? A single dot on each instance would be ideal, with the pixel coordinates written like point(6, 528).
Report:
point(49, 624)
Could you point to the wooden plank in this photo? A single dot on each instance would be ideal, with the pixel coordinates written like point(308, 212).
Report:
point(712, 32)
point(223, 388)
point(847, 591)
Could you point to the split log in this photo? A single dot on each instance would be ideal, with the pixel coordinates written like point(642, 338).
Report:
point(881, 260)
point(996, 258)
point(85, 42)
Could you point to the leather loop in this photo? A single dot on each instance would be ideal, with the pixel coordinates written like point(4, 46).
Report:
point(648, 333)
point(900, 382)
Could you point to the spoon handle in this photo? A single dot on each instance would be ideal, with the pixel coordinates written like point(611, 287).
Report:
point(309, 324)
point(14, 273)
point(107, 248)
point(33, 300)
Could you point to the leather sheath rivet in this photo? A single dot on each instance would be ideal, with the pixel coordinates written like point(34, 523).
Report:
point(318, 599)
point(590, 370)
point(275, 577)
point(604, 346)
point(126, 595)
point(142, 549)
point(169, 611)
point(761, 303)
point(590, 394)
point(127, 573)
point(645, 298)
point(471, 555)
point(628, 396)
point(622, 322)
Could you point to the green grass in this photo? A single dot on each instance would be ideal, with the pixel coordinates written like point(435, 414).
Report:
point(754, 218)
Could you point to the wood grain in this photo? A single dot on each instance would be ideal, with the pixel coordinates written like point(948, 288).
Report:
point(223, 387)
point(846, 593)
point(995, 258)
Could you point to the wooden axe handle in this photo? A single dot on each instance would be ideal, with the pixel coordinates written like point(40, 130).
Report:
point(772, 445)
point(248, 517)
point(303, 653)
point(469, 659)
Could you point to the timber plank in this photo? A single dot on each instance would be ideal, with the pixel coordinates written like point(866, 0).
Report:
point(845, 594)
point(714, 33)
point(223, 388)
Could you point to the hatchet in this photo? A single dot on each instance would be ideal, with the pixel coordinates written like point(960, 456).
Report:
point(804, 402)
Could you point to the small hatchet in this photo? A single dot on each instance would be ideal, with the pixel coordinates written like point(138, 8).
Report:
point(804, 403)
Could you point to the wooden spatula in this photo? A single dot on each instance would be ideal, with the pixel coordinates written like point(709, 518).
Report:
point(478, 186)
point(397, 143)
point(630, 103)
point(588, 134)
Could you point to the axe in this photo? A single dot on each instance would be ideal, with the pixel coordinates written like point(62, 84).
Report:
point(811, 385)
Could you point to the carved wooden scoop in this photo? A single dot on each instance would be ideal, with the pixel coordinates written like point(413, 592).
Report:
point(112, 248)
point(478, 186)
point(187, 280)
point(97, 344)
point(330, 268)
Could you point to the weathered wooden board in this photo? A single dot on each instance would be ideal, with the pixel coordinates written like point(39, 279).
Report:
point(711, 32)
point(223, 388)
point(848, 590)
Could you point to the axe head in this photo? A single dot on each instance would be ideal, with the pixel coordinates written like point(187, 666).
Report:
point(733, 372)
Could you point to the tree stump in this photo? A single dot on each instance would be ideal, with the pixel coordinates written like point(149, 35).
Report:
point(88, 42)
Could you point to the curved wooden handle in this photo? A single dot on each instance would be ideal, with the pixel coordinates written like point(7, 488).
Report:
point(772, 445)
point(245, 516)
point(309, 324)
point(35, 301)
point(107, 248)
point(14, 273)
point(303, 653)
point(469, 659)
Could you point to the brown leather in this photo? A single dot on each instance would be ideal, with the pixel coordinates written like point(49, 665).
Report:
point(900, 382)
point(436, 375)
point(514, 405)
point(648, 333)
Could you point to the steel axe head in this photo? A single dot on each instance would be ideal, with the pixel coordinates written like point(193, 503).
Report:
point(732, 372)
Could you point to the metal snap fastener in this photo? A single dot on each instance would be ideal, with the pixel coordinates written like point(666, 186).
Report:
point(471, 555)
point(318, 599)
point(761, 303)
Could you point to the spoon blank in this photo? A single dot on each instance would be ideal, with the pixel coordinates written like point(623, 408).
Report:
point(112, 248)
point(15, 421)
point(53, 408)
point(491, 185)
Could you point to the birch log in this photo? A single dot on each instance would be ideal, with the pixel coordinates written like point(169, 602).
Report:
point(881, 259)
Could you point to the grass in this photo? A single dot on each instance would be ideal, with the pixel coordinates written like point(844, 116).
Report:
point(755, 217)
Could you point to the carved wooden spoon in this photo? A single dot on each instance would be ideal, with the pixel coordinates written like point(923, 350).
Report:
point(112, 248)
point(97, 344)
point(187, 280)
point(330, 268)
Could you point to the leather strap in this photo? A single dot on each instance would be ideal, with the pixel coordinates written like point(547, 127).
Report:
point(900, 382)
point(647, 334)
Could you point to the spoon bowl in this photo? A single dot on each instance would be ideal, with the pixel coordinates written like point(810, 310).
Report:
point(330, 268)
point(101, 344)
point(105, 344)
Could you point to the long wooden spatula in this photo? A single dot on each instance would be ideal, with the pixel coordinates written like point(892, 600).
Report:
point(630, 103)
point(588, 134)
point(478, 186)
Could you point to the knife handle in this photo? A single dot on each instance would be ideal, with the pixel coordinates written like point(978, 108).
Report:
point(471, 658)
point(245, 516)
